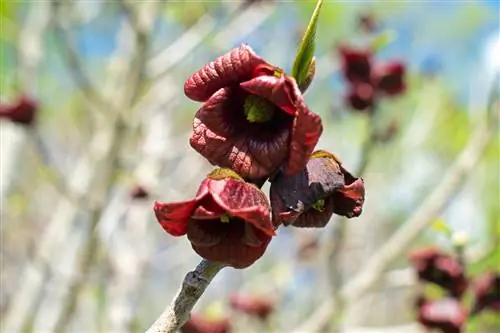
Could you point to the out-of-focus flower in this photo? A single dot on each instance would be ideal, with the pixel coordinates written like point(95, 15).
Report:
point(254, 119)
point(487, 293)
point(23, 111)
point(258, 307)
point(441, 269)
point(309, 198)
point(228, 221)
point(356, 64)
point(389, 78)
point(138, 192)
point(447, 315)
point(200, 324)
point(368, 80)
point(361, 96)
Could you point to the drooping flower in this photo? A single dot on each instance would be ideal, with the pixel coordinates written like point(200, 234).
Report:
point(368, 80)
point(254, 119)
point(255, 306)
point(23, 111)
point(447, 314)
point(309, 198)
point(441, 269)
point(356, 64)
point(487, 293)
point(200, 324)
point(389, 78)
point(228, 221)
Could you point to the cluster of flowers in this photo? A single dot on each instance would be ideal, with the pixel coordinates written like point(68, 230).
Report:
point(255, 126)
point(449, 314)
point(256, 307)
point(368, 80)
point(22, 112)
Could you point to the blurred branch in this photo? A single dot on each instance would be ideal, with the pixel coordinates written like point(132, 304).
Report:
point(193, 286)
point(74, 63)
point(434, 204)
point(54, 174)
point(90, 246)
point(340, 233)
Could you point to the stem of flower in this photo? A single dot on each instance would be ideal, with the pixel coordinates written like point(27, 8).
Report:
point(193, 286)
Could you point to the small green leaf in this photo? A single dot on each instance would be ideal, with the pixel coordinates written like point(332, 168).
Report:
point(305, 53)
point(382, 40)
point(440, 226)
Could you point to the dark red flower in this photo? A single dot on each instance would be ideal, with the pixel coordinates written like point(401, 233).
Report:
point(254, 119)
point(139, 192)
point(361, 96)
point(356, 64)
point(21, 112)
point(309, 198)
point(228, 221)
point(254, 306)
point(441, 269)
point(389, 78)
point(447, 315)
point(487, 293)
point(199, 324)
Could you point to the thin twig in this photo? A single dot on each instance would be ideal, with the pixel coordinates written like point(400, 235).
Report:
point(75, 66)
point(193, 286)
point(434, 204)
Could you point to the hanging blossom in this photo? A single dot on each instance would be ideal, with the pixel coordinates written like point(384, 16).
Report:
point(322, 188)
point(228, 221)
point(368, 80)
point(254, 119)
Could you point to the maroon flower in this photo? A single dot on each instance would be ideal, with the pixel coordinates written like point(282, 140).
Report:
point(199, 324)
point(309, 198)
point(487, 293)
point(254, 306)
point(389, 78)
point(441, 269)
point(254, 119)
point(356, 64)
point(22, 112)
point(361, 96)
point(228, 221)
point(138, 192)
point(447, 315)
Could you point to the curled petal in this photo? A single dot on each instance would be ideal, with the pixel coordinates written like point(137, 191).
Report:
point(278, 90)
point(356, 64)
point(348, 201)
point(448, 315)
point(240, 64)
point(174, 217)
point(245, 201)
point(389, 78)
point(487, 293)
point(198, 235)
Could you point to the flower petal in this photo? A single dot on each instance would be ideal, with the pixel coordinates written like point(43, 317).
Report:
point(240, 64)
point(174, 216)
point(245, 201)
point(223, 136)
point(232, 249)
point(307, 129)
point(348, 201)
point(198, 235)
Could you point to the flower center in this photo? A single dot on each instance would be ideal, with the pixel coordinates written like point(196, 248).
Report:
point(319, 205)
point(224, 218)
point(258, 109)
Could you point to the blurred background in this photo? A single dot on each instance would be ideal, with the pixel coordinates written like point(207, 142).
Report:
point(81, 250)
